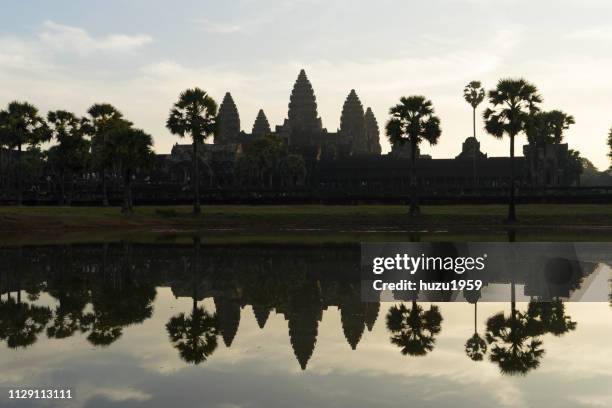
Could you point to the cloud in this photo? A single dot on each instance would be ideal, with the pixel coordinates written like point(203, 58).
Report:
point(602, 33)
point(122, 394)
point(67, 38)
point(217, 27)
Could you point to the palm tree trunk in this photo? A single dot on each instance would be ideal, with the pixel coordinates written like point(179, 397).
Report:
point(126, 192)
point(195, 179)
point(104, 188)
point(511, 208)
point(19, 175)
point(414, 204)
point(474, 158)
point(475, 317)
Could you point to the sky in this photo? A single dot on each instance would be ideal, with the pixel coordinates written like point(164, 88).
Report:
point(139, 55)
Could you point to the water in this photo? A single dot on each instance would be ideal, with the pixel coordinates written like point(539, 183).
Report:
point(255, 326)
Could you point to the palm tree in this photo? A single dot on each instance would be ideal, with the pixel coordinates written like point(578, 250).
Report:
point(475, 346)
point(559, 122)
point(22, 125)
point(549, 317)
point(412, 121)
point(71, 154)
point(414, 329)
point(513, 347)
point(474, 94)
point(513, 100)
point(195, 114)
point(103, 119)
point(132, 148)
point(195, 336)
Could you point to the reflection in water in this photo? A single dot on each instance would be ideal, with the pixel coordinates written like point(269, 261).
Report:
point(414, 329)
point(99, 290)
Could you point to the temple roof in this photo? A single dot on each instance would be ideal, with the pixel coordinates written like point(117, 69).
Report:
point(261, 126)
point(372, 132)
point(228, 121)
point(352, 124)
point(303, 106)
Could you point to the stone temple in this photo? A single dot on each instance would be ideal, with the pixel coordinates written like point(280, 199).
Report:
point(302, 130)
point(351, 157)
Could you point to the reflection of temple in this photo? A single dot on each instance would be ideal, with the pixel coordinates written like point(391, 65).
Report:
point(119, 281)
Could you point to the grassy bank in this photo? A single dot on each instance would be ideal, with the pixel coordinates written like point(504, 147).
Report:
point(304, 222)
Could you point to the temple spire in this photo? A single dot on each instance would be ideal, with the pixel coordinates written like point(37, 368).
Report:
point(352, 124)
point(303, 106)
point(261, 127)
point(228, 121)
point(372, 132)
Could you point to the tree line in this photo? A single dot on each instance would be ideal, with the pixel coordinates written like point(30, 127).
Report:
point(104, 140)
point(514, 108)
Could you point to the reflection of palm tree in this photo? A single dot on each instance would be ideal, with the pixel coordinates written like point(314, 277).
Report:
point(513, 348)
point(195, 337)
point(475, 346)
point(21, 323)
point(414, 329)
point(549, 317)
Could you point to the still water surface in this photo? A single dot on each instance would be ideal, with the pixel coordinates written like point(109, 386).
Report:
point(190, 325)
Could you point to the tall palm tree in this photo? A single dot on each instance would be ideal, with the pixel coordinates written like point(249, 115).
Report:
point(194, 114)
point(412, 121)
point(414, 329)
point(104, 118)
point(559, 122)
point(474, 94)
point(513, 347)
point(22, 126)
point(475, 346)
point(513, 101)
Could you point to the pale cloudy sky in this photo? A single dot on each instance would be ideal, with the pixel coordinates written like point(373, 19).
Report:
point(139, 55)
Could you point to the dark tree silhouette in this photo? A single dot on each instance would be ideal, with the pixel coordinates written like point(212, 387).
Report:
point(412, 121)
point(610, 146)
point(549, 317)
point(20, 323)
point(195, 336)
point(22, 126)
point(194, 114)
point(414, 329)
point(476, 346)
point(133, 150)
point(474, 94)
point(513, 101)
point(104, 118)
point(513, 348)
point(71, 154)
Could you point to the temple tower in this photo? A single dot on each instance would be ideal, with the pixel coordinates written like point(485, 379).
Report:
point(228, 122)
point(261, 127)
point(352, 124)
point(303, 107)
point(372, 132)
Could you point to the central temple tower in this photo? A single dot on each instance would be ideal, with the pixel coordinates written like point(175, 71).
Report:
point(302, 116)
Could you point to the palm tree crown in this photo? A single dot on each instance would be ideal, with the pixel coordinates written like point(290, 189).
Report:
point(513, 101)
point(194, 114)
point(413, 120)
point(474, 93)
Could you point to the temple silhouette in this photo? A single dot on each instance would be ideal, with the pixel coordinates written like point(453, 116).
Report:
point(119, 281)
point(351, 157)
